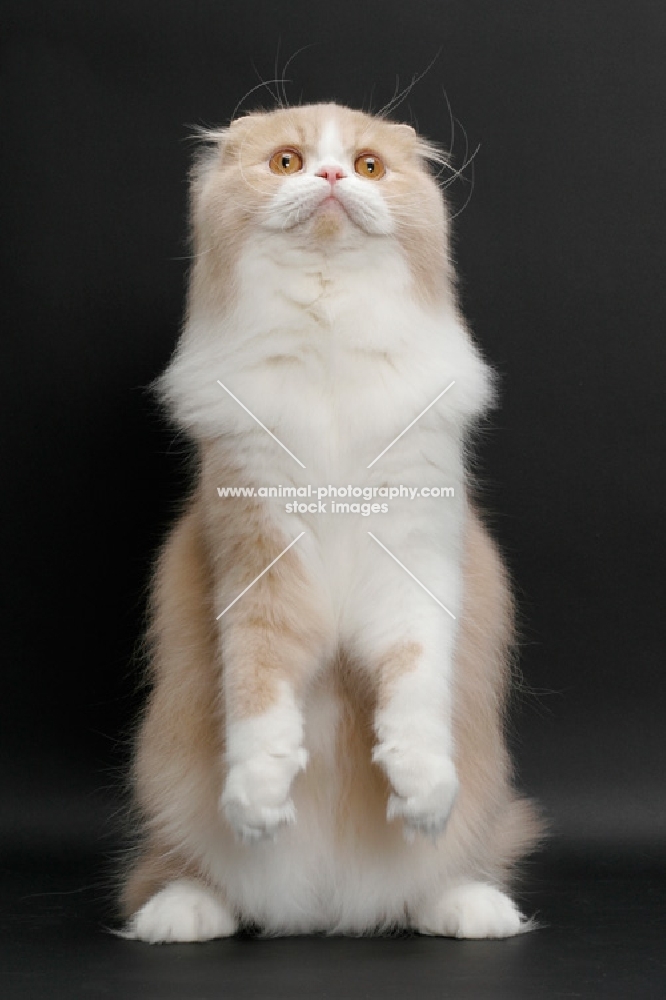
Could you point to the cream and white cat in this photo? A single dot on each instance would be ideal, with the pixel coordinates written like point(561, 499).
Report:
point(325, 753)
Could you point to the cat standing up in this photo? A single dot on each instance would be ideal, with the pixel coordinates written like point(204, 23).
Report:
point(326, 751)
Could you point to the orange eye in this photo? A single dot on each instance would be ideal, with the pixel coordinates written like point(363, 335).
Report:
point(286, 161)
point(369, 165)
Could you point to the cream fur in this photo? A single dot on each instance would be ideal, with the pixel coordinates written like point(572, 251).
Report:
point(328, 755)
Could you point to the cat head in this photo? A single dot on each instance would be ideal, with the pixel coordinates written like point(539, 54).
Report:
point(319, 180)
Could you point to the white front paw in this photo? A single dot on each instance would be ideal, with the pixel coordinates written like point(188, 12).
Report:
point(424, 784)
point(256, 799)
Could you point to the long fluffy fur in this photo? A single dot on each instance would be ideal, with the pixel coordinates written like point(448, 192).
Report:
point(334, 687)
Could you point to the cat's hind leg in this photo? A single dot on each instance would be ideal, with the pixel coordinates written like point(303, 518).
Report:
point(184, 910)
point(471, 910)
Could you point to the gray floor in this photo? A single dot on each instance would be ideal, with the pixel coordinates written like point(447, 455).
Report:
point(604, 917)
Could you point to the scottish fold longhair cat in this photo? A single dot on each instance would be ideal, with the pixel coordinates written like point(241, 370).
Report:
point(322, 748)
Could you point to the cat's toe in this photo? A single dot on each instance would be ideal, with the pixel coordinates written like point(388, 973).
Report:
point(425, 786)
point(183, 911)
point(252, 823)
point(427, 814)
point(256, 800)
point(473, 910)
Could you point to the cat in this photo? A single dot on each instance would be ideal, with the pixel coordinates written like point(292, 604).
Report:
point(322, 749)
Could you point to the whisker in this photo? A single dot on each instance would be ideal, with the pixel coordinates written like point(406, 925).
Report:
point(398, 98)
point(286, 67)
point(386, 107)
point(452, 122)
point(266, 84)
point(371, 98)
point(193, 256)
point(459, 172)
point(276, 73)
point(464, 132)
point(471, 191)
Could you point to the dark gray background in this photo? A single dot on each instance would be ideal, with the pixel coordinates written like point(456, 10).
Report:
point(561, 256)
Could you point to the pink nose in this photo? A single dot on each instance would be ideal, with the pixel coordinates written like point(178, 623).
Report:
point(332, 174)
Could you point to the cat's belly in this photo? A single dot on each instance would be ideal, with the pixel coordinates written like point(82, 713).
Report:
point(342, 867)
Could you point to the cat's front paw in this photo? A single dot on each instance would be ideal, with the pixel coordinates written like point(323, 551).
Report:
point(256, 799)
point(424, 785)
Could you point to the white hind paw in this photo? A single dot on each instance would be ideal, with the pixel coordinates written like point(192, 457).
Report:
point(185, 910)
point(473, 910)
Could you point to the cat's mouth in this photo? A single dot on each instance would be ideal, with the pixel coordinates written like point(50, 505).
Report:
point(331, 202)
point(330, 217)
point(341, 205)
point(332, 211)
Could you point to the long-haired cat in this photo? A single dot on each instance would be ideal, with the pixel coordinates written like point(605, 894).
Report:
point(322, 748)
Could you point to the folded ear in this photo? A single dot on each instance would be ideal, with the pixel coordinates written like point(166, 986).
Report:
point(404, 130)
point(209, 152)
point(210, 136)
point(229, 138)
point(243, 119)
point(432, 153)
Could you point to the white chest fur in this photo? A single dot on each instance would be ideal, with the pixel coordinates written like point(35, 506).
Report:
point(335, 357)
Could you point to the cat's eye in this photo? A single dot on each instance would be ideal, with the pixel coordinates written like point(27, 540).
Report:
point(369, 165)
point(286, 161)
